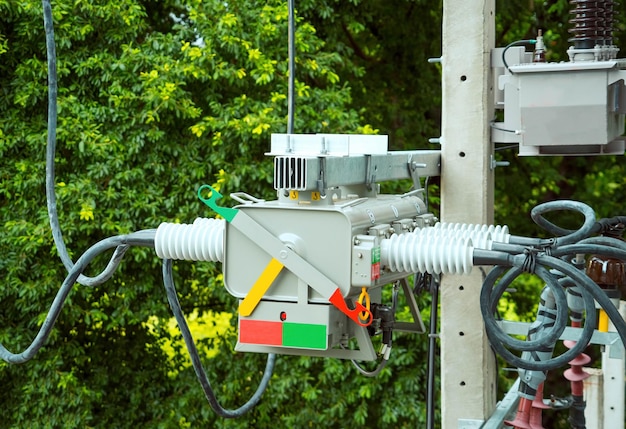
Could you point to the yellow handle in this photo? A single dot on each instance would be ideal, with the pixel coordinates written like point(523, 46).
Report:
point(259, 288)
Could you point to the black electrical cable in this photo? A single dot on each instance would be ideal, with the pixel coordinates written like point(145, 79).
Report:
point(604, 225)
point(141, 238)
point(590, 248)
point(51, 200)
point(541, 255)
point(432, 351)
point(381, 365)
point(566, 236)
point(500, 340)
point(605, 242)
point(510, 45)
point(172, 298)
point(490, 296)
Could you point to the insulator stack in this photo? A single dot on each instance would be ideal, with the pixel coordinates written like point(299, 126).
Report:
point(522, 418)
point(609, 19)
point(592, 31)
point(201, 241)
point(588, 23)
point(536, 410)
point(576, 376)
point(481, 235)
point(428, 250)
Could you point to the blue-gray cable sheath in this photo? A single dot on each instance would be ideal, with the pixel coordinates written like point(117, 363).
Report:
point(51, 200)
point(172, 298)
point(141, 238)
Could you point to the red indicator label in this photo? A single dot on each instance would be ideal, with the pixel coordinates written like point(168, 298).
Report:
point(260, 332)
point(269, 333)
point(376, 271)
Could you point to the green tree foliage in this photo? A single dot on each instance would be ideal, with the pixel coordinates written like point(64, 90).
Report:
point(386, 51)
point(159, 97)
point(155, 99)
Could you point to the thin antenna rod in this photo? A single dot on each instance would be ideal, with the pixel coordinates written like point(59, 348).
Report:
point(292, 67)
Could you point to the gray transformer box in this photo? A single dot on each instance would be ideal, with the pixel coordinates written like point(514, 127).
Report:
point(569, 108)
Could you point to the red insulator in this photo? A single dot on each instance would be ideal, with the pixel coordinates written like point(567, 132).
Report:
point(538, 401)
point(523, 415)
point(536, 419)
point(575, 374)
point(538, 405)
point(580, 360)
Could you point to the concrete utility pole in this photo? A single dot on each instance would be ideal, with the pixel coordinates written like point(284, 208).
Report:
point(468, 371)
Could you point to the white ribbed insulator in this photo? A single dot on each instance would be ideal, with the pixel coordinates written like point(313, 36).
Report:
point(201, 241)
point(482, 235)
point(428, 251)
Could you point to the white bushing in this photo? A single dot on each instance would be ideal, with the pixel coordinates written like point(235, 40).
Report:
point(201, 241)
point(428, 250)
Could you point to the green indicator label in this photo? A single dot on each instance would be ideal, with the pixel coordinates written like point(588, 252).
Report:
point(304, 335)
point(375, 255)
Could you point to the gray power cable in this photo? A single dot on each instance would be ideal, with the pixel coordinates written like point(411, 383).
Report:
point(121, 245)
point(141, 238)
point(539, 258)
point(51, 200)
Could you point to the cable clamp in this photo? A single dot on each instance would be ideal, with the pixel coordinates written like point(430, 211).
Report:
point(530, 262)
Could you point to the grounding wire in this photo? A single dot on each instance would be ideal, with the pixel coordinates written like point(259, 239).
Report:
point(140, 238)
point(510, 45)
point(381, 365)
point(51, 201)
point(172, 298)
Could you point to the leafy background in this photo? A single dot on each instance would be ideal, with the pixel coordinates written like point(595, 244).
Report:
point(159, 97)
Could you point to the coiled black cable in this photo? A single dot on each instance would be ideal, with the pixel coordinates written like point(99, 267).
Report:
point(540, 257)
point(502, 342)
